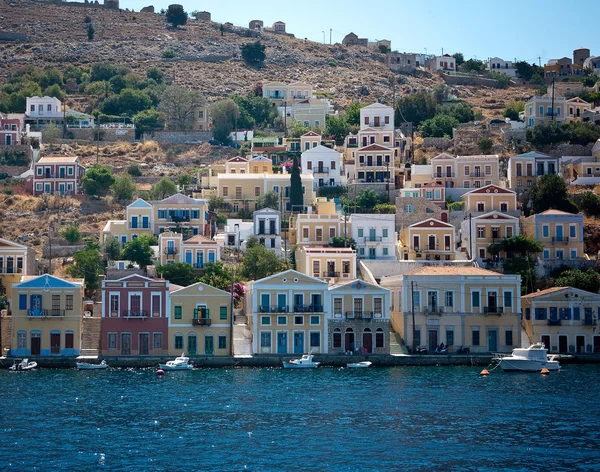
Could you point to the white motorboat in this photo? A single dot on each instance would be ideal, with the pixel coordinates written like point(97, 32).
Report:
point(23, 365)
point(87, 366)
point(531, 359)
point(305, 362)
point(359, 365)
point(180, 363)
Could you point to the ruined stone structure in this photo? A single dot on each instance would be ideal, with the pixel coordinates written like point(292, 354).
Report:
point(148, 9)
point(203, 15)
point(256, 25)
point(112, 4)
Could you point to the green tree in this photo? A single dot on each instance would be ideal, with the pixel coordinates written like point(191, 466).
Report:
point(352, 113)
point(340, 241)
point(51, 134)
point(88, 265)
point(485, 145)
point(181, 106)
point(526, 71)
point(549, 132)
point(163, 188)
point(255, 111)
point(385, 208)
point(217, 275)
point(581, 133)
point(296, 196)
point(224, 114)
point(513, 108)
point(123, 188)
point(337, 128)
point(112, 249)
point(589, 203)
point(55, 91)
point(178, 273)
point(260, 262)
point(473, 65)
point(367, 199)
point(439, 126)
point(90, 32)
point(97, 180)
point(440, 92)
point(254, 53)
point(155, 74)
point(217, 203)
point(297, 129)
point(588, 280)
point(72, 234)
point(459, 58)
point(462, 111)
point(139, 251)
point(268, 200)
point(184, 180)
point(103, 71)
point(550, 191)
point(148, 120)
point(415, 108)
point(503, 80)
point(176, 15)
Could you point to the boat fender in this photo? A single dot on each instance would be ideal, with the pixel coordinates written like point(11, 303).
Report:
point(545, 371)
point(160, 372)
point(484, 372)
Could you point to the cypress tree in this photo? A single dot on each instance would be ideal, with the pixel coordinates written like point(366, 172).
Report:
point(296, 197)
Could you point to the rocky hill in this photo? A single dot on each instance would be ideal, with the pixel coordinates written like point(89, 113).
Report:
point(206, 59)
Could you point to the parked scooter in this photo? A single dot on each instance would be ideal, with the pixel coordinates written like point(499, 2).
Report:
point(421, 350)
point(464, 350)
point(441, 349)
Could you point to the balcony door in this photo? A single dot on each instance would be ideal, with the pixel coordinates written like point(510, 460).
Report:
point(431, 243)
point(358, 307)
point(298, 302)
point(432, 301)
point(35, 305)
point(316, 302)
point(492, 301)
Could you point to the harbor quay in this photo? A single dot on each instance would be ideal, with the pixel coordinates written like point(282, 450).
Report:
point(326, 360)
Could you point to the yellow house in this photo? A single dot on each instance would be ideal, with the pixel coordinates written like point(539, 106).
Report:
point(479, 232)
point(490, 198)
point(280, 92)
point(582, 166)
point(560, 233)
point(524, 169)
point(459, 306)
point(237, 165)
point(47, 316)
point(359, 320)
point(565, 319)
point(318, 229)
point(374, 163)
point(195, 251)
point(16, 260)
point(431, 240)
point(287, 313)
point(200, 321)
point(242, 190)
point(576, 107)
point(260, 165)
point(336, 263)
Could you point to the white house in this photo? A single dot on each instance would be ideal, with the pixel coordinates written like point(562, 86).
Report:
point(42, 111)
point(504, 67)
point(267, 227)
point(375, 235)
point(324, 164)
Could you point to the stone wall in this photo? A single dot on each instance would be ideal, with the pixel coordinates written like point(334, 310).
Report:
point(179, 137)
point(439, 143)
point(61, 251)
point(109, 135)
point(468, 80)
point(423, 209)
point(358, 326)
point(7, 36)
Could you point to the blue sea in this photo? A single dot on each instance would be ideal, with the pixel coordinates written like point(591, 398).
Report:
point(326, 419)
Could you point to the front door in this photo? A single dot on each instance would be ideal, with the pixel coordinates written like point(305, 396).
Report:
point(349, 341)
point(596, 344)
point(433, 339)
point(580, 344)
point(562, 343)
point(125, 344)
point(209, 345)
point(298, 343)
point(367, 342)
point(192, 344)
point(492, 340)
point(36, 344)
point(546, 341)
point(371, 253)
point(61, 189)
point(54, 343)
point(282, 343)
point(144, 344)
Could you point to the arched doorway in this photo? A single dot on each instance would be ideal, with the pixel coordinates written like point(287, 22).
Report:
point(367, 341)
point(349, 340)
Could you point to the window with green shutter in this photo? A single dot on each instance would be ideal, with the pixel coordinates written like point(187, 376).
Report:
point(178, 312)
point(223, 312)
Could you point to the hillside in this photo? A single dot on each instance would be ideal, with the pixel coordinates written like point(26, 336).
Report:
point(56, 35)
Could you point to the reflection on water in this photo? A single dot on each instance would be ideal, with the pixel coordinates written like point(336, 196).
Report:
point(446, 418)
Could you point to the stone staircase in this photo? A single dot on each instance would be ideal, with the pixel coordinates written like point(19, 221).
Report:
point(242, 340)
point(396, 347)
point(90, 337)
point(6, 331)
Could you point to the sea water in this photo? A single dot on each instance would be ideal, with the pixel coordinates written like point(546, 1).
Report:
point(325, 419)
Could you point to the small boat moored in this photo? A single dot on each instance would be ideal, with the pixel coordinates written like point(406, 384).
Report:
point(180, 363)
point(23, 365)
point(359, 365)
point(531, 359)
point(86, 366)
point(305, 362)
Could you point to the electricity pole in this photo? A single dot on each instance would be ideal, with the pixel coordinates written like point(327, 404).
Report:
point(414, 328)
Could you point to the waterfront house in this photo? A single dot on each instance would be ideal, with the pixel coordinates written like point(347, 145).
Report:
point(330, 263)
point(459, 306)
point(57, 175)
point(359, 318)
point(47, 314)
point(195, 251)
point(565, 319)
point(16, 260)
point(286, 313)
point(375, 235)
point(199, 321)
point(135, 316)
point(525, 168)
point(429, 240)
